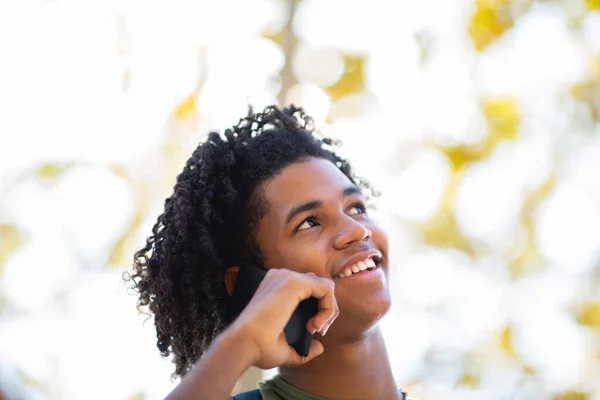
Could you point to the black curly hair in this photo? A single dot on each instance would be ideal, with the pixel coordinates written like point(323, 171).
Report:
point(208, 224)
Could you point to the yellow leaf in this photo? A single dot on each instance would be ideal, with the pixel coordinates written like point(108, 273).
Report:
point(277, 38)
point(527, 261)
point(588, 314)
point(441, 230)
point(593, 5)
point(503, 117)
point(460, 156)
point(352, 79)
point(571, 395)
point(525, 258)
point(469, 379)
point(9, 241)
point(119, 170)
point(186, 108)
point(588, 90)
point(52, 170)
point(506, 341)
point(489, 21)
point(119, 255)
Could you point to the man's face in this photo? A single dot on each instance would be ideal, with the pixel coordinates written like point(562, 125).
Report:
point(317, 222)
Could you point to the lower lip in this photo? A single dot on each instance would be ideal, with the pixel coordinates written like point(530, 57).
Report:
point(376, 273)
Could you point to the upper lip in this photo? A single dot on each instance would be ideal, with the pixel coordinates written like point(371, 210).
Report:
point(359, 256)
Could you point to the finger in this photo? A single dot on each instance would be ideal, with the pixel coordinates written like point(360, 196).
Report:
point(328, 324)
point(322, 328)
point(316, 349)
point(323, 290)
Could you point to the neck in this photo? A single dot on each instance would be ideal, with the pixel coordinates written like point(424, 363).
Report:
point(358, 369)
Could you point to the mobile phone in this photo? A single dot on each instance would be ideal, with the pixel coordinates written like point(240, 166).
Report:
point(296, 334)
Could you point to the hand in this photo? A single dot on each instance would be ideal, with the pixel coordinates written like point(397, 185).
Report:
point(262, 322)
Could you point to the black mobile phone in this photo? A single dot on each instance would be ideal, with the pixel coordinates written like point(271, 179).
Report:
point(296, 334)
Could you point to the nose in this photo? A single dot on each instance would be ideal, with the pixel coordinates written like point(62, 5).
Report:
point(350, 231)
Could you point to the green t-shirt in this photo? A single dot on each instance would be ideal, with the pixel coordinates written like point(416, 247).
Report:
point(278, 389)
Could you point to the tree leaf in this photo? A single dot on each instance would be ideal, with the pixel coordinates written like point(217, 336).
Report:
point(187, 108)
point(505, 340)
point(10, 239)
point(588, 90)
point(503, 117)
point(352, 79)
point(51, 171)
point(588, 314)
point(571, 395)
point(489, 21)
point(469, 379)
point(441, 230)
point(593, 5)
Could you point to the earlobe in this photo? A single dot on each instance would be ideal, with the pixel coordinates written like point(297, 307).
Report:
point(230, 277)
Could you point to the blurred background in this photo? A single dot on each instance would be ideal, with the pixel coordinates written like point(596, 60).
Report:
point(478, 120)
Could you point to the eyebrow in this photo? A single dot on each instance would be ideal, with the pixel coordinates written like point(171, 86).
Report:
point(313, 204)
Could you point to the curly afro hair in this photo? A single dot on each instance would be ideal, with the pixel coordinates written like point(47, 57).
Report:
point(208, 224)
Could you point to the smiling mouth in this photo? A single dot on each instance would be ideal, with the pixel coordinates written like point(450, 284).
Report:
point(366, 265)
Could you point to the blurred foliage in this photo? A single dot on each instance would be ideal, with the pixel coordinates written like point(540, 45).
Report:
point(52, 171)
point(587, 92)
point(490, 19)
point(424, 40)
point(10, 239)
point(588, 314)
point(527, 258)
point(277, 37)
point(505, 341)
point(121, 253)
point(593, 5)
point(487, 23)
point(503, 118)
point(469, 379)
point(352, 79)
point(572, 395)
point(187, 108)
point(441, 230)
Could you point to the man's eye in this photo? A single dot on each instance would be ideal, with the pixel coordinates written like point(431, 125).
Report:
point(359, 209)
point(308, 223)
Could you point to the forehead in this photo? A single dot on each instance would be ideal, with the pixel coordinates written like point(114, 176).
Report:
point(315, 179)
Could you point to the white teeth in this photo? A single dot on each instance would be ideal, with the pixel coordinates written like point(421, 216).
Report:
point(368, 264)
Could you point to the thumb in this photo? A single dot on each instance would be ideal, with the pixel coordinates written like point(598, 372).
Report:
point(316, 349)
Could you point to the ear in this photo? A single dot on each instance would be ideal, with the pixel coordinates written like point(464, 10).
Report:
point(231, 275)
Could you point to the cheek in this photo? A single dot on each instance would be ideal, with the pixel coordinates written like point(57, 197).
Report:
point(303, 257)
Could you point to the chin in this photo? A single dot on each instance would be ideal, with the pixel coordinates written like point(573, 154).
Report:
point(357, 319)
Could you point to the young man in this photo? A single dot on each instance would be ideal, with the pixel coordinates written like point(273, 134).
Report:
point(269, 192)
